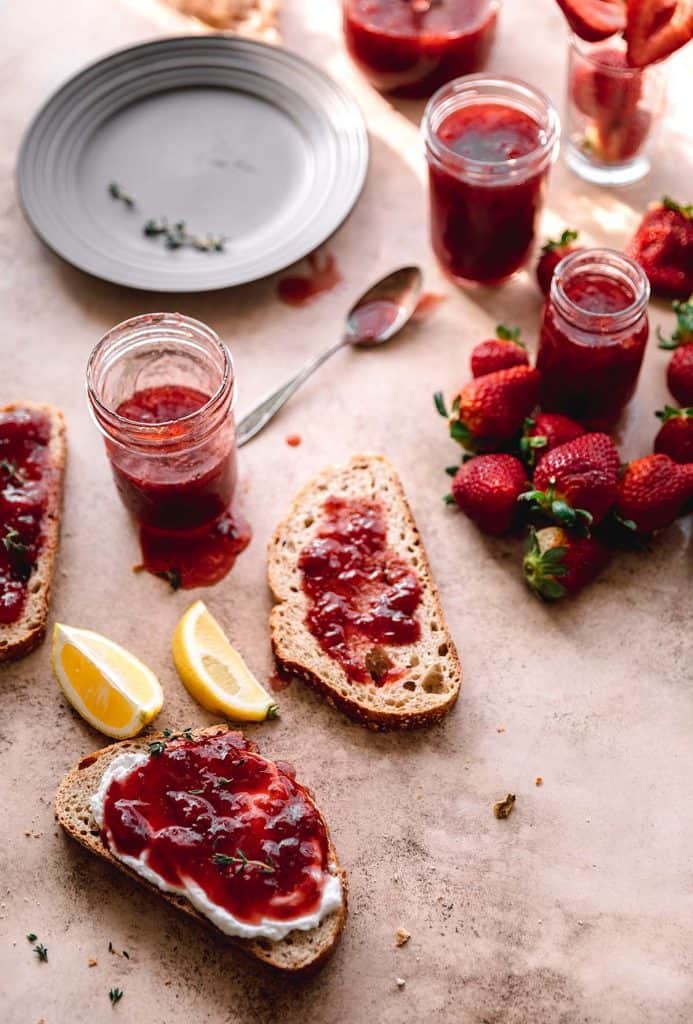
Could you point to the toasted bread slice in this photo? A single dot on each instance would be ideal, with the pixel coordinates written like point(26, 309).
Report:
point(431, 683)
point(20, 637)
point(299, 952)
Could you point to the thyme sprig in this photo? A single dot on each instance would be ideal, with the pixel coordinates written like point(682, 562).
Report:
point(172, 577)
point(41, 952)
point(14, 474)
point(242, 862)
point(115, 995)
point(157, 747)
point(12, 544)
point(116, 192)
point(177, 236)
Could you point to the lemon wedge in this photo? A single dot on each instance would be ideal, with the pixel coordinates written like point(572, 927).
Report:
point(108, 686)
point(214, 673)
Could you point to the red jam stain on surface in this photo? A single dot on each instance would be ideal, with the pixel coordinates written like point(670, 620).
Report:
point(591, 378)
point(218, 796)
point(189, 532)
point(361, 593)
point(293, 440)
point(427, 305)
point(279, 682)
point(297, 290)
point(414, 47)
point(483, 232)
point(26, 474)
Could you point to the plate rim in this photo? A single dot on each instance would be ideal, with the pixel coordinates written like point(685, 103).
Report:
point(22, 175)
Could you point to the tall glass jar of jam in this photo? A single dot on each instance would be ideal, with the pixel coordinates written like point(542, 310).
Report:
point(412, 47)
point(489, 145)
point(161, 388)
point(593, 336)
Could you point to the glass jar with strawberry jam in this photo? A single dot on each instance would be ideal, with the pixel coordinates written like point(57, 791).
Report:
point(489, 145)
point(161, 388)
point(593, 336)
point(412, 47)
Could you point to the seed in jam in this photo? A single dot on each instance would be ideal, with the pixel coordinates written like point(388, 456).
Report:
point(216, 812)
point(361, 593)
point(27, 473)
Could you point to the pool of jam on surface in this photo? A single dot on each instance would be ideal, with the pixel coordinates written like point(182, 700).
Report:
point(589, 375)
point(482, 231)
point(299, 289)
point(361, 593)
point(217, 797)
point(411, 48)
point(189, 533)
point(26, 474)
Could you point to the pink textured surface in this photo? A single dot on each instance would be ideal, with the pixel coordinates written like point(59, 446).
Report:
point(577, 908)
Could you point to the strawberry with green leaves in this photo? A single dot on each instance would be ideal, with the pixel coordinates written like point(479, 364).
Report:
point(552, 252)
point(558, 563)
point(680, 369)
point(663, 245)
point(490, 410)
point(675, 437)
point(486, 488)
point(576, 483)
point(546, 431)
point(499, 353)
point(652, 492)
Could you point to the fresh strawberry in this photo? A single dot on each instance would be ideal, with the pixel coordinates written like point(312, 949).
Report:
point(490, 410)
point(663, 246)
point(604, 86)
point(576, 483)
point(499, 353)
point(653, 492)
point(656, 28)
point(546, 431)
point(551, 255)
point(487, 487)
point(675, 437)
point(680, 369)
point(615, 141)
point(558, 563)
point(594, 20)
point(680, 375)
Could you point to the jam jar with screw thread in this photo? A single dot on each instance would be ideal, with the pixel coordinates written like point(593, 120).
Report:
point(593, 336)
point(161, 388)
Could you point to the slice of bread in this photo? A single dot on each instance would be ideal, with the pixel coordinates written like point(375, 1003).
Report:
point(431, 683)
point(20, 637)
point(299, 952)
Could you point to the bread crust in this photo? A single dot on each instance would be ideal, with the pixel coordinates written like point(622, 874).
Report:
point(18, 639)
point(344, 696)
point(298, 953)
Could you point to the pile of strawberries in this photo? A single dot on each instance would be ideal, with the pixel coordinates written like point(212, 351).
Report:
point(545, 473)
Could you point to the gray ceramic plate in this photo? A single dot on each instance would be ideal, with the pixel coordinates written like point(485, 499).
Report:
point(234, 137)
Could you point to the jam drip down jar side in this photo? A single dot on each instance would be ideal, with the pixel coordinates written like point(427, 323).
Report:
point(161, 389)
point(593, 336)
point(489, 142)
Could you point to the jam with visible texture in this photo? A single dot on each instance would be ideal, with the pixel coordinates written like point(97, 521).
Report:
point(180, 497)
point(482, 228)
point(411, 47)
point(239, 826)
point(27, 473)
point(361, 593)
point(590, 373)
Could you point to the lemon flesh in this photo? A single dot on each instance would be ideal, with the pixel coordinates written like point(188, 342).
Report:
point(214, 673)
point(106, 685)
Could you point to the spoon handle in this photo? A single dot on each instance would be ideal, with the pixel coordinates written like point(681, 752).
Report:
point(259, 417)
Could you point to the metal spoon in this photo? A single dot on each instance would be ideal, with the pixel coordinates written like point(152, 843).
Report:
point(379, 314)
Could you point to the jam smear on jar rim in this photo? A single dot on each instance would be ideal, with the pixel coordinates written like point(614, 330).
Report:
point(215, 811)
point(27, 472)
point(362, 595)
point(189, 532)
point(411, 48)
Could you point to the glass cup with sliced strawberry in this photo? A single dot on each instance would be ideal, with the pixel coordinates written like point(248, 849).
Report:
point(617, 82)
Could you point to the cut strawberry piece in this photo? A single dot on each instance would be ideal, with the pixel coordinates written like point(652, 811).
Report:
point(598, 91)
point(594, 20)
point(656, 28)
point(619, 140)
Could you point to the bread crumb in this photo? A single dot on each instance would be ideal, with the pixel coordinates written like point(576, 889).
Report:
point(92, 962)
point(400, 982)
point(293, 440)
point(538, 781)
point(402, 937)
point(500, 728)
point(503, 808)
